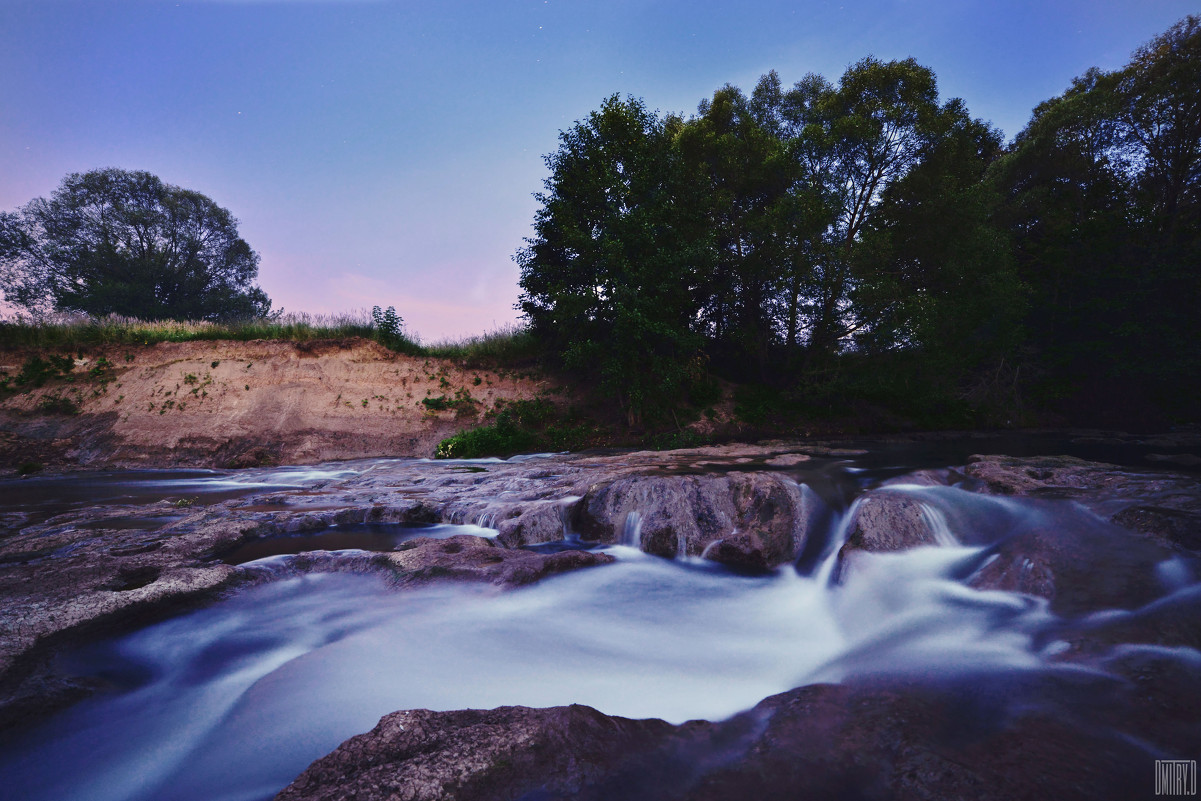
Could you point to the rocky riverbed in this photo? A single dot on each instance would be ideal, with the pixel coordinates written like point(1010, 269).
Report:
point(1076, 582)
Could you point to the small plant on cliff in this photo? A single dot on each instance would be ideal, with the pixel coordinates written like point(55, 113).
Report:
point(521, 427)
point(57, 404)
point(37, 371)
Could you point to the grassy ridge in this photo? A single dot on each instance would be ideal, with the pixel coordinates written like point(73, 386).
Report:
point(506, 345)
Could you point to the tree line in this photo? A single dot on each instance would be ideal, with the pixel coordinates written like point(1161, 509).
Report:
point(778, 237)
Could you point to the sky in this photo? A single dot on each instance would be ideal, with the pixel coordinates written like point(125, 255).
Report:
point(383, 152)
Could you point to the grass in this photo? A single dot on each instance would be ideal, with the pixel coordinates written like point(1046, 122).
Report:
point(506, 345)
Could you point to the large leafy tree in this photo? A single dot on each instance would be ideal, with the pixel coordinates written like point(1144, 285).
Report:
point(1103, 200)
point(119, 242)
point(854, 140)
point(742, 166)
point(609, 278)
point(933, 269)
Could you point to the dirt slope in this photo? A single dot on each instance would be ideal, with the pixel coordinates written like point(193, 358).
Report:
point(230, 404)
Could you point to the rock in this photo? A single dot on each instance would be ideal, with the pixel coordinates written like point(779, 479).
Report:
point(888, 521)
point(1079, 569)
point(683, 515)
point(1173, 527)
point(426, 559)
point(1009, 475)
point(510, 752)
point(788, 459)
point(538, 523)
point(994, 737)
point(1182, 459)
point(742, 553)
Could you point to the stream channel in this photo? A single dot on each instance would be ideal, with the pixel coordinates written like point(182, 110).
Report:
point(230, 701)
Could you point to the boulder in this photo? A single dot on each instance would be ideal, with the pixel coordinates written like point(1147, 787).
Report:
point(510, 752)
point(683, 515)
point(994, 737)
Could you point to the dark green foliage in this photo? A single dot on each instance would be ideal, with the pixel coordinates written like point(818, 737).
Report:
point(57, 404)
point(609, 278)
point(767, 235)
point(29, 468)
point(388, 329)
point(866, 248)
point(37, 371)
point(1102, 197)
point(118, 242)
point(462, 403)
point(521, 427)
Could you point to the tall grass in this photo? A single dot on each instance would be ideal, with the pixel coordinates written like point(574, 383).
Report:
point(73, 330)
point(506, 345)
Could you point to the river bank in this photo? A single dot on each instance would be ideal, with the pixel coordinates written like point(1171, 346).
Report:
point(226, 403)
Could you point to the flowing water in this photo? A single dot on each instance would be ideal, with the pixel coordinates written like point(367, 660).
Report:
point(232, 701)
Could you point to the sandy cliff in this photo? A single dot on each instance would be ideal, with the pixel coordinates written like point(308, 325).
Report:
point(241, 403)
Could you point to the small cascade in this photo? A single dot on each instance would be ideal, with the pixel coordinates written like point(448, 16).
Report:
point(631, 531)
point(826, 524)
point(486, 519)
point(937, 522)
point(565, 506)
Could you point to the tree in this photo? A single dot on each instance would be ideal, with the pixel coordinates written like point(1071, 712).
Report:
point(119, 242)
point(933, 269)
point(609, 279)
point(1101, 197)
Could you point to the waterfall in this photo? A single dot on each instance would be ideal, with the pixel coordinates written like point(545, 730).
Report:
point(631, 530)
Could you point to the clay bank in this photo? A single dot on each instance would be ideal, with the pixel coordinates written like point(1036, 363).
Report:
point(781, 620)
point(240, 404)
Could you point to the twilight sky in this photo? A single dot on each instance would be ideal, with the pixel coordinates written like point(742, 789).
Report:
point(382, 152)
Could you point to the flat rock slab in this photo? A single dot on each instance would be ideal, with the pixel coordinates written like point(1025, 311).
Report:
point(998, 737)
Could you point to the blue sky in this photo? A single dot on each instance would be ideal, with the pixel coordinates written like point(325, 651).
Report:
point(385, 153)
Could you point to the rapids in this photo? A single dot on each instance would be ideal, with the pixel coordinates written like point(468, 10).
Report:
point(230, 702)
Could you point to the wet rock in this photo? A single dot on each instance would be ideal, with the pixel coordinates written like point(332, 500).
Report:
point(683, 515)
point(478, 559)
point(788, 459)
point(419, 755)
point(426, 559)
point(989, 737)
point(541, 522)
point(1172, 622)
point(889, 521)
point(1182, 459)
point(1174, 527)
point(742, 553)
point(1009, 475)
point(1079, 569)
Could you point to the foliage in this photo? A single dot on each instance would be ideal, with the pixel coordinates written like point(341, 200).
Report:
point(521, 427)
point(37, 371)
point(1102, 197)
point(608, 278)
point(389, 331)
point(507, 345)
point(79, 330)
point(462, 403)
point(794, 237)
point(118, 242)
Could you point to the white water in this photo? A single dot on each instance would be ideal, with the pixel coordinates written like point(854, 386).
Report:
point(233, 701)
